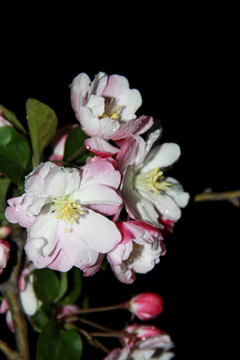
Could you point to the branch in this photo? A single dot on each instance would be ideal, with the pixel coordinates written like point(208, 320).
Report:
point(209, 195)
point(11, 293)
point(10, 354)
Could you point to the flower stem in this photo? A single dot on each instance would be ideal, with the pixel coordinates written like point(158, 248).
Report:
point(208, 195)
point(93, 310)
point(96, 325)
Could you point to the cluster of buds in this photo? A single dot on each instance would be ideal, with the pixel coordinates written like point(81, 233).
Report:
point(144, 341)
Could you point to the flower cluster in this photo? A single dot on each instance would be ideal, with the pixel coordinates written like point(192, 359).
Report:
point(116, 207)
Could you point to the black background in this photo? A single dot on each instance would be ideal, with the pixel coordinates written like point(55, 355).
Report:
point(186, 67)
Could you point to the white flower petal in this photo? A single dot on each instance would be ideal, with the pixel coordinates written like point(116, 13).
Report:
point(79, 90)
point(61, 181)
point(98, 84)
point(100, 233)
point(28, 299)
point(44, 228)
point(96, 104)
point(97, 194)
point(164, 204)
point(177, 193)
point(131, 100)
point(162, 156)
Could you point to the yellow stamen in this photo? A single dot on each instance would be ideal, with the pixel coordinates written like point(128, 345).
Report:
point(153, 181)
point(111, 110)
point(67, 210)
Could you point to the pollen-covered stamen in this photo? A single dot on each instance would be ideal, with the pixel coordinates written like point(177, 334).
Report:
point(112, 110)
point(67, 210)
point(153, 181)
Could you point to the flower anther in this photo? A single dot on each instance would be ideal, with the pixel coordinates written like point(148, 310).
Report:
point(112, 110)
point(67, 210)
point(152, 180)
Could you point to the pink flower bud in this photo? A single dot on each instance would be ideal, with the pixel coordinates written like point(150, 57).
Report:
point(4, 254)
point(146, 305)
point(137, 332)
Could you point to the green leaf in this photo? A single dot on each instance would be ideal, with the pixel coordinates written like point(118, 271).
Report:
point(74, 287)
point(46, 285)
point(11, 117)
point(74, 146)
point(15, 154)
point(42, 316)
point(4, 186)
point(42, 124)
point(57, 344)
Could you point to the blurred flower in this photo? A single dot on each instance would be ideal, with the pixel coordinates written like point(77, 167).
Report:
point(138, 252)
point(4, 310)
point(5, 231)
point(146, 305)
point(63, 210)
point(147, 193)
point(4, 254)
point(29, 300)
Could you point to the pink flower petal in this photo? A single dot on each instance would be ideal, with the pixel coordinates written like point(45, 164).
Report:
point(100, 147)
point(100, 171)
point(116, 85)
point(16, 212)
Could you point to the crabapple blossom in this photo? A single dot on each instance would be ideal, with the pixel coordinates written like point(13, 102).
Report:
point(153, 347)
point(65, 212)
point(5, 231)
point(146, 305)
point(138, 252)
point(4, 254)
point(147, 193)
point(106, 109)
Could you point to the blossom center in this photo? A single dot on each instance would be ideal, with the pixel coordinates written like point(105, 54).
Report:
point(67, 210)
point(152, 180)
point(112, 110)
point(135, 254)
